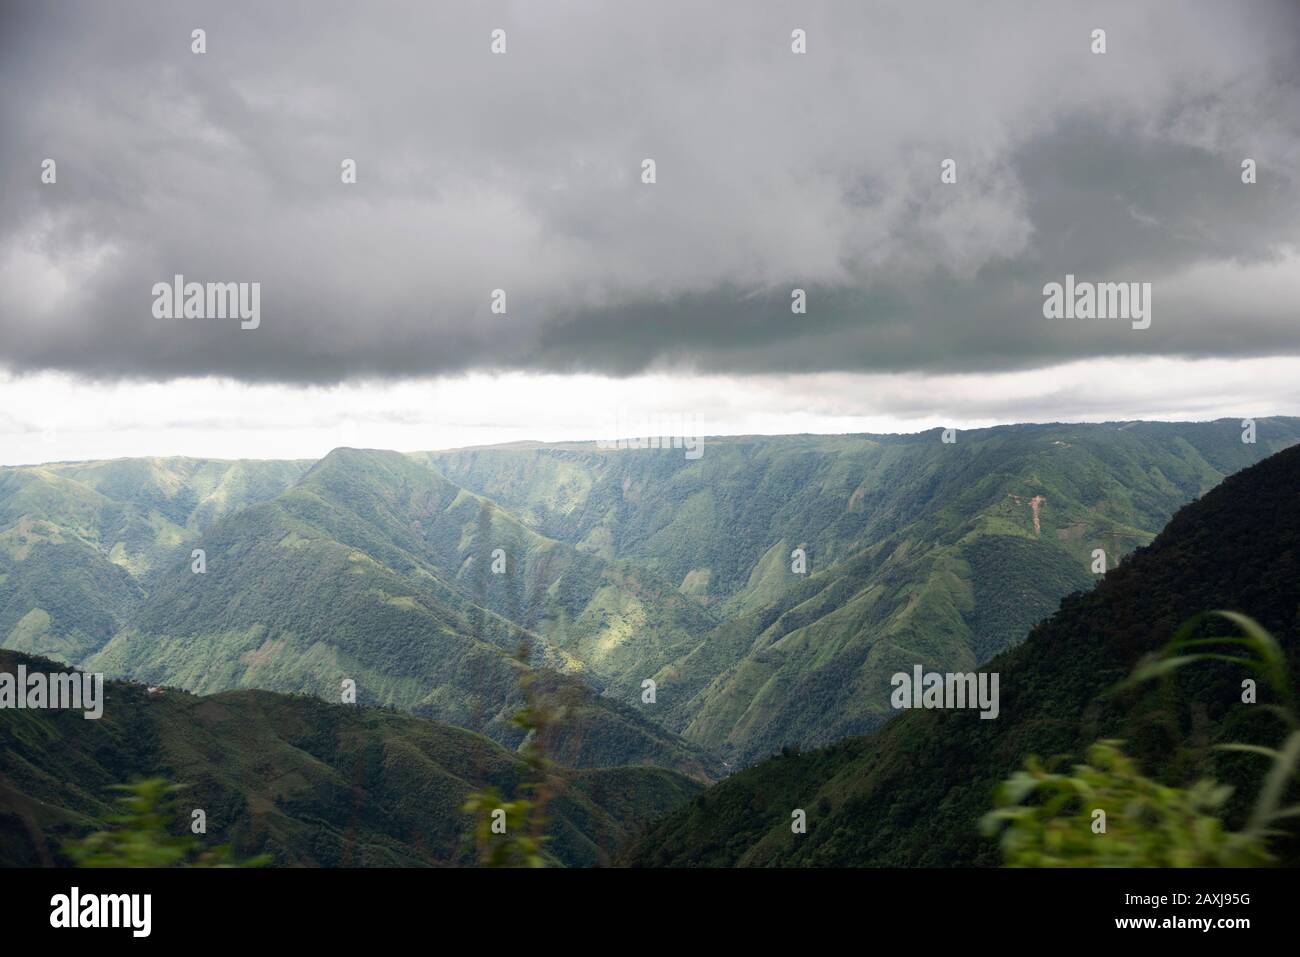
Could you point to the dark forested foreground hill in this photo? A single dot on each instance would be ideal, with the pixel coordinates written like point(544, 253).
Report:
point(307, 782)
point(912, 793)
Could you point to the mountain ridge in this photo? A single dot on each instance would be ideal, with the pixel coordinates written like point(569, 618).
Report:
point(417, 574)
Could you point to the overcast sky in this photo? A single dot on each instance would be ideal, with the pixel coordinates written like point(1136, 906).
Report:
point(522, 172)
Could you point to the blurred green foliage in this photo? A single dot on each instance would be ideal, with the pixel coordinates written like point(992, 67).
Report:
point(142, 834)
point(1051, 819)
point(518, 837)
point(1146, 824)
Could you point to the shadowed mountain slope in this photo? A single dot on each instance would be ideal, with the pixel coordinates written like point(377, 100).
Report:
point(309, 783)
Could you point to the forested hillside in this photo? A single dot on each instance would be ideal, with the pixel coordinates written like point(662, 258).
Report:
point(375, 570)
point(912, 793)
point(310, 784)
point(918, 550)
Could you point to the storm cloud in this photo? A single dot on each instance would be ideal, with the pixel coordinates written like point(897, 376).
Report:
point(522, 172)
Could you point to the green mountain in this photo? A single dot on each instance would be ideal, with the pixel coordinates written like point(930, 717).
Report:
point(139, 513)
point(375, 569)
point(707, 523)
point(911, 794)
point(918, 550)
point(80, 543)
point(309, 783)
point(417, 576)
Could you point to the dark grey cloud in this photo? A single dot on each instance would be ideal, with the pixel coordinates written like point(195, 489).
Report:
point(522, 172)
